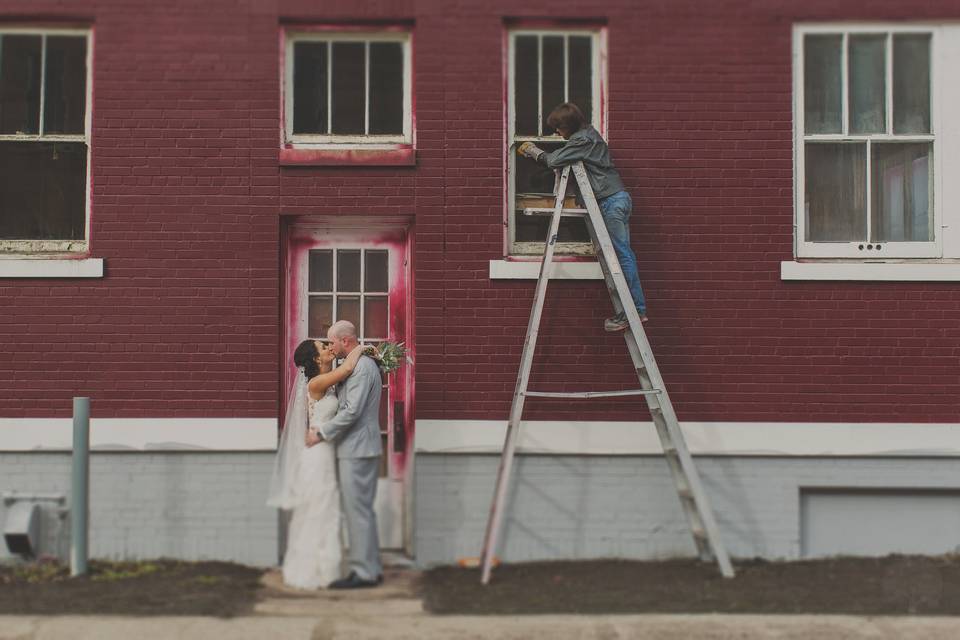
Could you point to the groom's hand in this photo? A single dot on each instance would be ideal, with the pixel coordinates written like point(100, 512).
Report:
point(313, 437)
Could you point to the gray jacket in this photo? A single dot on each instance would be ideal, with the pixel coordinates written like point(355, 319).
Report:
point(589, 146)
point(356, 427)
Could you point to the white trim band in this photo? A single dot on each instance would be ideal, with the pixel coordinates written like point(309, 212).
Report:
point(879, 271)
point(530, 270)
point(51, 268)
point(813, 439)
point(142, 434)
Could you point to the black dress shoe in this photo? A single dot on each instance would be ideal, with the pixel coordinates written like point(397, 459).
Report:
point(353, 581)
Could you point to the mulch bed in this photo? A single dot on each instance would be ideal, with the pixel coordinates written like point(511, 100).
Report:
point(895, 585)
point(163, 587)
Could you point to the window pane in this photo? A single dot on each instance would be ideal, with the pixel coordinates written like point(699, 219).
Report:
point(386, 88)
point(349, 93)
point(911, 84)
point(902, 186)
point(375, 271)
point(534, 229)
point(533, 177)
point(525, 87)
point(348, 308)
point(581, 74)
point(553, 80)
point(310, 87)
point(867, 73)
point(375, 317)
point(65, 81)
point(20, 77)
point(321, 270)
point(348, 270)
point(822, 111)
point(836, 208)
point(43, 188)
point(319, 316)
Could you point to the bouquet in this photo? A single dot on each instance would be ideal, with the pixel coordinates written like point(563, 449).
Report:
point(390, 356)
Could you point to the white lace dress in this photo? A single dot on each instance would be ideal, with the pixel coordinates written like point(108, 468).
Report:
point(314, 549)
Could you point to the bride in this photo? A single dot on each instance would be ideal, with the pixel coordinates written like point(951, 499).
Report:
point(305, 479)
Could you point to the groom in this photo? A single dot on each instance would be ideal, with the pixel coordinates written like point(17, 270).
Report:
point(356, 431)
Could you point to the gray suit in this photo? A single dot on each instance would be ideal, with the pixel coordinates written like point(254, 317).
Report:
point(356, 431)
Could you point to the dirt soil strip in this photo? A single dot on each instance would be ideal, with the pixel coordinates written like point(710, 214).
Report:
point(147, 588)
point(895, 585)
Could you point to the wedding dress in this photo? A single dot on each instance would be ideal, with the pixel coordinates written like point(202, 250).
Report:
point(314, 549)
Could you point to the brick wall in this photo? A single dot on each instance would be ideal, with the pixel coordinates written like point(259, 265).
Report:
point(188, 198)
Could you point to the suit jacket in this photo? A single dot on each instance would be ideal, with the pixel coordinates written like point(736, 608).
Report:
point(356, 427)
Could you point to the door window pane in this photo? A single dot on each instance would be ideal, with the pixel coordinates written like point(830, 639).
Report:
point(821, 84)
point(552, 74)
point(386, 88)
point(835, 192)
point(901, 193)
point(65, 84)
point(321, 270)
point(348, 270)
point(867, 74)
point(43, 189)
point(349, 92)
point(376, 272)
point(375, 317)
point(911, 84)
point(319, 316)
point(20, 77)
point(348, 308)
point(310, 87)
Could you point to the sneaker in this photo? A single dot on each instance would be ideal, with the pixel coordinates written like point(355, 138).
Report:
point(619, 322)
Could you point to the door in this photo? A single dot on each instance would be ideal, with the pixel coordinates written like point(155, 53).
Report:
point(360, 275)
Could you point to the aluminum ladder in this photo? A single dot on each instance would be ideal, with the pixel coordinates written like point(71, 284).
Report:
point(696, 506)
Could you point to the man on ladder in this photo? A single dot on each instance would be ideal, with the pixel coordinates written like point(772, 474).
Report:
point(620, 275)
point(586, 145)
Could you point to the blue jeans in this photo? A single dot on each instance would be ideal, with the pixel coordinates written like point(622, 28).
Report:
point(616, 215)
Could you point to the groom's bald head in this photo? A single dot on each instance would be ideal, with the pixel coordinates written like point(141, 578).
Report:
point(343, 337)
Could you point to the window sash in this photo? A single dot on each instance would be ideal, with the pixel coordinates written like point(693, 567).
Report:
point(597, 119)
point(865, 249)
point(65, 246)
point(331, 140)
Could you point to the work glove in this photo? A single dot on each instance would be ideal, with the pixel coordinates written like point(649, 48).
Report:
point(530, 150)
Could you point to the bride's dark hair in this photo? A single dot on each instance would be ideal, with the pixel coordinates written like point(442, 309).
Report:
point(305, 356)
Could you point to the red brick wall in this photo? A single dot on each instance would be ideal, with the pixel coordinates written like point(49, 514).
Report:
point(188, 199)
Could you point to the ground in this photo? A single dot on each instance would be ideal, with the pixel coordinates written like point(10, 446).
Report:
point(896, 585)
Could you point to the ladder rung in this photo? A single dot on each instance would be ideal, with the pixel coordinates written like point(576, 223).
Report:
point(589, 394)
point(544, 211)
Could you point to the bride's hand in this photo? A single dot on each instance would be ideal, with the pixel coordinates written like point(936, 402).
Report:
point(312, 438)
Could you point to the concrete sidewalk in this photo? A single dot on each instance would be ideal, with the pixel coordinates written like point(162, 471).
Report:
point(394, 612)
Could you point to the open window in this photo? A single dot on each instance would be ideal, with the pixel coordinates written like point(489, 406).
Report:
point(546, 68)
point(44, 141)
point(347, 90)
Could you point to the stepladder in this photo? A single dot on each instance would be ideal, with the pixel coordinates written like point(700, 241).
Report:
point(689, 487)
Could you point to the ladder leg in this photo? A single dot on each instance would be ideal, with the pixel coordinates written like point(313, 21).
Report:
point(494, 522)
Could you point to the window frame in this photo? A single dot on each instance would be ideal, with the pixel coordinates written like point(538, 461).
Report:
point(54, 248)
point(334, 141)
point(866, 250)
point(598, 34)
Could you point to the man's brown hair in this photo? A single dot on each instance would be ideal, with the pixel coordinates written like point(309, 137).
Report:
point(568, 117)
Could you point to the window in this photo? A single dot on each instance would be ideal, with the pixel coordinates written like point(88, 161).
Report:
point(546, 68)
point(348, 89)
point(44, 150)
point(349, 284)
point(866, 143)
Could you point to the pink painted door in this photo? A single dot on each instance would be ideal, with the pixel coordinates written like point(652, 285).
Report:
point(360, 275)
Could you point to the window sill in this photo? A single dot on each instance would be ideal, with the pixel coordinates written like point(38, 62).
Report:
point(396, 156)
point(530, 270)
point(51, 268)
point(872, 271)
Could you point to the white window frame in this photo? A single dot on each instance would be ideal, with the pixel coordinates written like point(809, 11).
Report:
point(866, 250)
point(332, 141)
point(598, 120)
point(52, 248)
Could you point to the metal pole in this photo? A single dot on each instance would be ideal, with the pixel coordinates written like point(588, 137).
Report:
point(80, 487)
